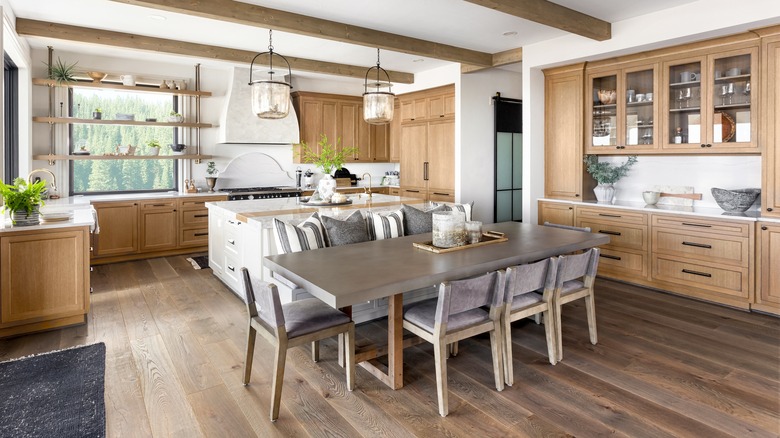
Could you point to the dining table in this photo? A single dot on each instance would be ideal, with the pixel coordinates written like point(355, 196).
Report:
point(347, 275)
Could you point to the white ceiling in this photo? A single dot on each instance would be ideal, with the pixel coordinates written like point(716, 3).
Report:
point(453, 22)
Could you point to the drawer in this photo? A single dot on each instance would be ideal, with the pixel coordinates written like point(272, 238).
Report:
point(613, 215)
point(157, 204)
point(702, 246)
point(232, 272)
point(618, 264)
point(620, 235)
point(200, 202)
point(699, 277)
point(709, 226)
point(395, 191)
point(440, 196)
point(232, 240)
point(194, 237)
point(195, 217)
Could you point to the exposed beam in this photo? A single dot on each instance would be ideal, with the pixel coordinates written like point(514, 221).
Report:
point(553, 15)
point(258, 16)
point(510, 56)
point(45, 29)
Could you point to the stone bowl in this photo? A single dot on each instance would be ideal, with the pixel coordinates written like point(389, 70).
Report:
point(735, 201)
point(607, 97)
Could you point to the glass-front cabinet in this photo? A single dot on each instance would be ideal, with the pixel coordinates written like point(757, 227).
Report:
point(623, 109)
point(709, 102)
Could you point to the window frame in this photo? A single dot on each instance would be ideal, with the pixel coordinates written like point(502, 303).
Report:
point(10, 119)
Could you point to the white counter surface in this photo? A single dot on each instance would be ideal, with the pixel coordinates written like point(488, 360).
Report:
point(81, 217)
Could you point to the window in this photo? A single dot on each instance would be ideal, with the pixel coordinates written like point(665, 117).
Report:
point(120, 176)
point(11, 115)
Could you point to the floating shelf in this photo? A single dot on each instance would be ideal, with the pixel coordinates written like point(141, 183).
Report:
point(117, 122)
point(52, 158)
point(135, 88)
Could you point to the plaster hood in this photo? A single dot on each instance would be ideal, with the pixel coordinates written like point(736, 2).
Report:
point(237, 123)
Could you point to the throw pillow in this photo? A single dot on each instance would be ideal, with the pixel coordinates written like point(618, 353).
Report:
point(308, 235)
point(385, 226)
point(464, 208)
point(418, 221)
point(350, 230)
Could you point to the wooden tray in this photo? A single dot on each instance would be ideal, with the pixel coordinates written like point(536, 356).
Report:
point(487, 239)
point(326, 203)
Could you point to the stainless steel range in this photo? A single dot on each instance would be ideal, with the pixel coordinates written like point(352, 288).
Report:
point(248, 193)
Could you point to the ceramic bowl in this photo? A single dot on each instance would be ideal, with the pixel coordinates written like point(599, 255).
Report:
point(607, 97)
point(737, 200)
point(651, 198)
point(96, 76)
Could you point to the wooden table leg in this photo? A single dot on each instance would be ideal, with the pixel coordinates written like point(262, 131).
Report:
point(347, 311)
point(395, 341)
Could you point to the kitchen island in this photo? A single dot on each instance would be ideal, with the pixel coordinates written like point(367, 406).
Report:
point(240, 236)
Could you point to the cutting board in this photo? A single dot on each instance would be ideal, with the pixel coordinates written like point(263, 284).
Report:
point(669, 200)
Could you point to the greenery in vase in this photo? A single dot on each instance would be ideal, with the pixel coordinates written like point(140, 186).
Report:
point(61, 72)
point(329, 157)
point(153, 143)
point(211, 169)
point(98, 110)
point(607, 173)
point(174, 114)
point(21, 196)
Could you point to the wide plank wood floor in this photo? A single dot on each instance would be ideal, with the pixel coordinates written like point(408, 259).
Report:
point(665, 366)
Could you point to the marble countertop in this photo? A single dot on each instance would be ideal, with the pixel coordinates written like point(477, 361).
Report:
point(81, 217)
point(81, 201)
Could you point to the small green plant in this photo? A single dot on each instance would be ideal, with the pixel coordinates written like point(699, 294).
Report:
point(211, 168)
point(606, 173)
point(174, 114)
point(153, 143)
point(98, 110)
point(61, 72)
point(330, 157)
point(22, 196)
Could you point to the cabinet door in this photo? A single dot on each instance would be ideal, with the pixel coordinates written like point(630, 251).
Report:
point(395, 134)
point(732, 117)
point(407, 110)
point(348, 131)
point(330, 122)
point(441, 157)
point(770, 95)
point(685, 125)
point(158, 226)
point(32, 292)
point(118, 228)
point(768, 279)
point(605, 89)
point(380, 142)
point(311, 125)
point(414, 139)
point(638, 127)
point(556, 213)
point(441, 106)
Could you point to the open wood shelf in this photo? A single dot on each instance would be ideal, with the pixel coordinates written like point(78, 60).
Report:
point(51, 157)
point(117, 122)
point(135, 88)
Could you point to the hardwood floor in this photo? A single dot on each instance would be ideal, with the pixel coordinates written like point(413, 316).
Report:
point(665, 366)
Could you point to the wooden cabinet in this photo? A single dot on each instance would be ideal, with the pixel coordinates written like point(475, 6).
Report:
point(565, 176)
point(158, 225)
point(770, 122)
point(428, 160)
point(118, 228)
point(34, 297)
point(556, 213)
point(194, 221)
point(767, 274)
point(395, 134)
point(627, 255)
point(427, 105)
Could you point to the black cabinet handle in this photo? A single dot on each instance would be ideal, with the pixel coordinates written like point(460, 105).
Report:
point(769, 209)
point(703, 145)
point(607, 256)
point(613, 233)
point(697, 225)
point(425, 171)
point(201, 234)
point(709, 145)
point(764, 228)
point(232, 241)
point(413, 191)
point(609, 215)
point(201, 215)
point(442, 194)
point(697, 245)
point(576, 195)
point(571, 208)
point(701, 274)
point(159, 205)
point(231, 268)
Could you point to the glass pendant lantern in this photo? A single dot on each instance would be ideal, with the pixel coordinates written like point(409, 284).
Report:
point(379, 102)
point(270, 98)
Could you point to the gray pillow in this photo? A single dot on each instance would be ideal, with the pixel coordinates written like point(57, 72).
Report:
point(418, 221)
point(350, 230)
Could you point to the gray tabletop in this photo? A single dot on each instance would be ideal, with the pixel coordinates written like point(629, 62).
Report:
point(347, 275)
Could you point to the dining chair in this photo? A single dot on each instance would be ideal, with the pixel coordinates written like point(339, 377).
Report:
point(575, 279)
point(455, 315)
point(529, 291)
point(290, 325)
point(567, 227)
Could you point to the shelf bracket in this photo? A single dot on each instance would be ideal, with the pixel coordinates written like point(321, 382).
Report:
point(51, 159)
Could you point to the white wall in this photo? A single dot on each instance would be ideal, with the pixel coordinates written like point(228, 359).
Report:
point(689, 22)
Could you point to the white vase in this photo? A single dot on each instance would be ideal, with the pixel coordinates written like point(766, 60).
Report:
point(604, 193)
point(326, 187)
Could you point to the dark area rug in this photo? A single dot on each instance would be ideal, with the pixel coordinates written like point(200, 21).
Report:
point(56, 394)
point(199, 262)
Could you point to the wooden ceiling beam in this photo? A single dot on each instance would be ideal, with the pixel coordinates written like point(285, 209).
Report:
point(45, 29)
point(506, 57)
point(553, 15)
point(267, 18)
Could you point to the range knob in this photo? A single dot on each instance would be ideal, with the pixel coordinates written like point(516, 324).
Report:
point(250, 197)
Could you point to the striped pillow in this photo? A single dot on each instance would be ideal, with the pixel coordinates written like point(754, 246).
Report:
point(463, 208)
point(385, 226)
point(308, 235)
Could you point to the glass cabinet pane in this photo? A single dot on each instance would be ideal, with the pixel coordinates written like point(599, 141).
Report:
point(640, 95)
point(604, 127)
point(685, 104)
point(731, 100)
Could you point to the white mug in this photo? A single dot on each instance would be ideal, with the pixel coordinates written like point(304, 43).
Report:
point(128, 80)
point(687, 76)
point(736, 71)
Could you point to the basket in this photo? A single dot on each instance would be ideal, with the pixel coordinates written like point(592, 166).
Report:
point(737, 200)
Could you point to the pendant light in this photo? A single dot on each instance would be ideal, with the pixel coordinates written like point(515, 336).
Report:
point(270, 98)
point(378, 105)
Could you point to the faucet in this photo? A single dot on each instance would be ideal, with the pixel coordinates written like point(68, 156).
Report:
point(367, 191)
point(53, 182)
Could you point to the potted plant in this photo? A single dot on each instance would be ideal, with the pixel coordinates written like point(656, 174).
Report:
point(154, 147)
point(97, 114)
point(175, 117)
point(23, 201)
point(329, 158)
point(607, 174)
point(211, 180)
point(62, 73)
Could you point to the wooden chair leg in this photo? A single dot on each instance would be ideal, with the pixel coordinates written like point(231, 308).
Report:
point(590, 307)
point(276, 387)
point(538, 318)
point(315, 351)
point(251, 336)
point(558, 335)
point(497, 348)
point(350, 353)
point(551, 335)
point(454, 349)
point(341, 350)
point(509, 377)
point(440, 357)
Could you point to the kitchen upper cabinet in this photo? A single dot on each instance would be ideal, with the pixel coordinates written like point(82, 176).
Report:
point(395, 134)
point(565, 176)
point(118, 228)
point(768, 257)
point(428, 105)
point(770, 122)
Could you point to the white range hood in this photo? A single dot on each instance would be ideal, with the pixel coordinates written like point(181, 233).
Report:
point(238, 124)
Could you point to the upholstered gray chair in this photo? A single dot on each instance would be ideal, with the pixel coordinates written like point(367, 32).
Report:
point(457, 314)
point(575, 279)
point(529, 290)
point(289, 325)
point(567, 227)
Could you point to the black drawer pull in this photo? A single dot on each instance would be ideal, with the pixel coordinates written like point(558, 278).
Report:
point(200, 234)
point(442, 194)
point(413, 191)
point(702, 274)
point(609, 215)
point(232, 241)
point(607, 256)
point(697, 225)
point(613, 233)
point(231, 268)
point(201, 215)
point(764, 228)
point(697, 245)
